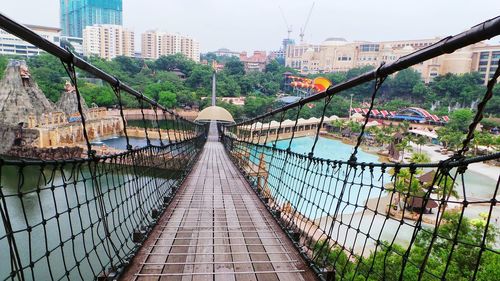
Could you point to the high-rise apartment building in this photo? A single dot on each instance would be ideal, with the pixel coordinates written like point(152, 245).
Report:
point(156, 44)
point(108, 41)
point(340, 55)
point(78, 14)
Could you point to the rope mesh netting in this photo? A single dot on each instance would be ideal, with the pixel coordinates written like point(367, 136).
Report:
point(355, 220)
point(84, 218)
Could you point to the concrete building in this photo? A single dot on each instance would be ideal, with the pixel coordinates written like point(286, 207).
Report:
point(156, 44)
point(12, 45)
point(340, 55)
point(256, 62)
point(76, 42)
point(223, 52)
point(108, 41)
point(75, 15)
point(485, 60)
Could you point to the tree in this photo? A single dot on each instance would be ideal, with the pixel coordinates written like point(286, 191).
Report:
point(338, 123)
point(99, 95)
point(129, 65)
point(460, 120)
point(172, 62)
point(403, 146)
point(167, 99)
point(420, 140)
point(273, 67)
point(3, 65)
point(234, 67)
point(403, 83)
point(257, 105)
point(419, 157)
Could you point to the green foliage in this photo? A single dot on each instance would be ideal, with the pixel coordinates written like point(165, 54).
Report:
point(489, 123)
point(257, 105)
point(452, 261)
point(404, 82)
point(152, 77)
point(49, 74)
point(460, 120)
point(396, 104)
point(99, 95)
point(167, 99)
point(173, 62)
point(420, 157)
point(234, 67)
point(3, 65)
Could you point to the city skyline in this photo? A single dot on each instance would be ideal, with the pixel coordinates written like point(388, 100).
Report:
point(259, 25)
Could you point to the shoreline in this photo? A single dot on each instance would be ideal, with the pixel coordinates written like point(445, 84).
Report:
point(489, 171)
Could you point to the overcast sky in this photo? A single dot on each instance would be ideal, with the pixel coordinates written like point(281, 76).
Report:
point(258, 24)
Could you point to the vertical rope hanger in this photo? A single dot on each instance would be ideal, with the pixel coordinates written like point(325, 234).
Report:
point(378, 84)
point(155, 109)
point(310, 155)
point(70, 70)
point(92, 165)
point(141, 105)
point(444, 174)
point(117, 91)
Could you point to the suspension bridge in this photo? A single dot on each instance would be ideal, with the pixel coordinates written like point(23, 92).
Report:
point(237, 206)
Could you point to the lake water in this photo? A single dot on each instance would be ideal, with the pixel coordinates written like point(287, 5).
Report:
point(59, 202)
point(120, 142)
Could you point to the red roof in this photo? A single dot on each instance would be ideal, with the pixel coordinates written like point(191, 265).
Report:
point(375, 112)
point(434, 117)
point(384, 113)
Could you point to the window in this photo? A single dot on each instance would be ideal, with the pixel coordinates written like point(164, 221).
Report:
point(369, 48)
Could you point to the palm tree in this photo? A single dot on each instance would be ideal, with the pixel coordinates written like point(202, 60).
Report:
point(419, 157)
point(402, 146)
point(421, 140)
point(406, 183)
point(404, 127)
point(338, 123)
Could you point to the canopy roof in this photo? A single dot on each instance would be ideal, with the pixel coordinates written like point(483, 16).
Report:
point(214, 113)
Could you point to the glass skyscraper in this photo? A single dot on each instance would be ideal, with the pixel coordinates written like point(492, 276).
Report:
point(77, 14)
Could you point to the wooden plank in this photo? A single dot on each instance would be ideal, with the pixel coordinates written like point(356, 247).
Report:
point(216, 212)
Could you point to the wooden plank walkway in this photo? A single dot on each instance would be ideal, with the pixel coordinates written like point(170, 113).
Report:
point(217, 229)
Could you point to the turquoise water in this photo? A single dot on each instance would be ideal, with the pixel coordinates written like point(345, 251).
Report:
point(318, 189)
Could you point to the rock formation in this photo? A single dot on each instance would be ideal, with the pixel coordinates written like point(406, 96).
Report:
point(20, 95)
point(68, 103)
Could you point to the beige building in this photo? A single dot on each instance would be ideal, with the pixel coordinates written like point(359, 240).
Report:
point(485, 60)
point(12, 45)
point(339, 55)
point(108, 41)
point(156, 44)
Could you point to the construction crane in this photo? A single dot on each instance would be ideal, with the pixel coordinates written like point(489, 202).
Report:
point(303, 29)
point(289, 27)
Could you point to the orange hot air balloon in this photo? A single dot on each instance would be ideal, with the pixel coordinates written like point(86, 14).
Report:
point(321, 84)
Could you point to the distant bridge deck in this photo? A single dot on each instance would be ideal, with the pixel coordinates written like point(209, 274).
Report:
point(216, 228)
